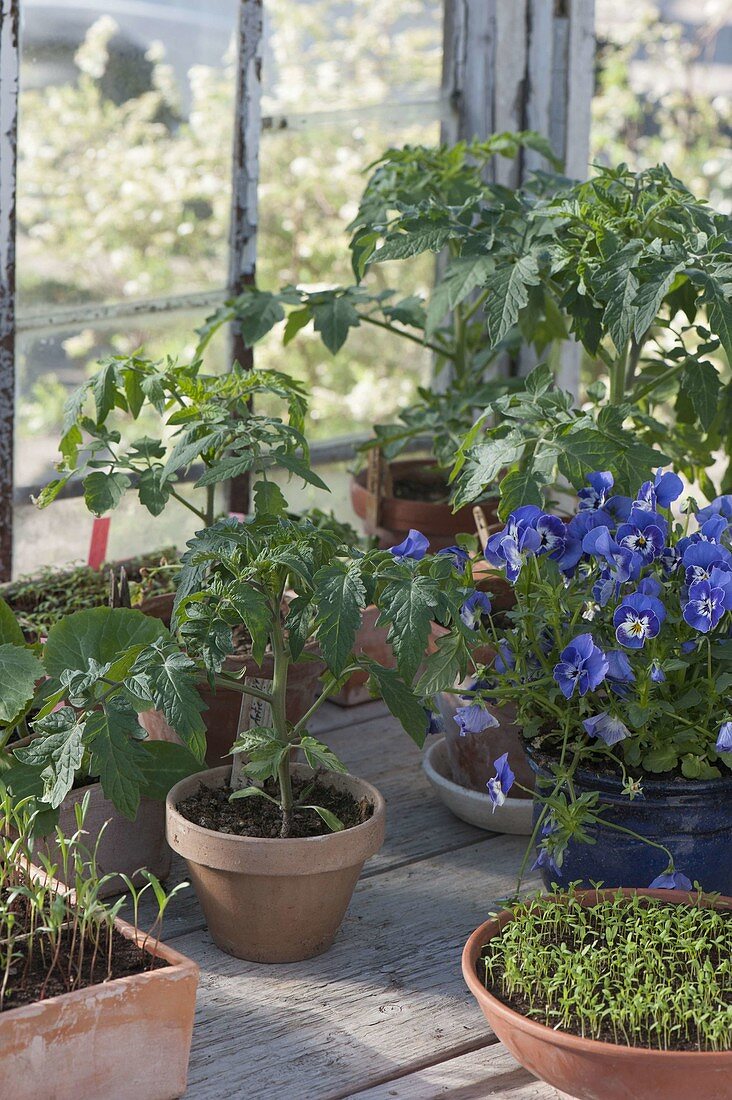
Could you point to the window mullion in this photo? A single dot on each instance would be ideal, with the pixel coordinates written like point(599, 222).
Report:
point(9, 75)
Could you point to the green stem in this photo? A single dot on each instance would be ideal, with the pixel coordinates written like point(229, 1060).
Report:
point(235, 684)
point(460, 341)
point(187, 504)
point(279, 723)
point(617, 378)
point(325, 694)
point(407, 336)
point(210, 505)
point(663, 378)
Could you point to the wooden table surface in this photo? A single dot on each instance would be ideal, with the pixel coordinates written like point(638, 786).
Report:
point(383, 1015)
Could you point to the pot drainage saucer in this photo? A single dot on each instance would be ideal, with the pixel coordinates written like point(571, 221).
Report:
point(514, 816)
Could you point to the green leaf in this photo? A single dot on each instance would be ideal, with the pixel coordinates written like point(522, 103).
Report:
point(701, 384)
point(320, 756)
point(719, 311)
point(445, 666)
point(225, 470)
point(401, 246)
point(103, 492)
point(299, 468)
point(10, 629)
point(116, 754)
point(170, 676)
point(408, 606)
point(102, 634)
point(253, 608)
point(297, 320)
point(517, 488)
point(251, 792)
point(333, 319)
point(484, 462)
point(58, 754)
point(334, 823)
point(104, 388)
point(607, 446)
point(257, 312)
point(621, 287)
point(340, 597)
point(133, 391)
point(509, 287)
point(49, 492)
point(651, 294)
point(400, 699)
point(154, 492)
point(268, 499)
point(162, 765)
point(19, 673)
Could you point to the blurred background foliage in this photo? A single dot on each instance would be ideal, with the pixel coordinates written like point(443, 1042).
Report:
point(125, 165)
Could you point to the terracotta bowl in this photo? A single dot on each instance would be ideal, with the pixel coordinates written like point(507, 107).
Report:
point(587, 1068)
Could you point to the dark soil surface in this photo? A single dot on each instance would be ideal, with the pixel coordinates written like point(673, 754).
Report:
point(258, 817)
point(433, 490)
point(33, 978)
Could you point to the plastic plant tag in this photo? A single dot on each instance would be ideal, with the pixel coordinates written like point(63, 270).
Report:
point(98, 541)
point(254, 712)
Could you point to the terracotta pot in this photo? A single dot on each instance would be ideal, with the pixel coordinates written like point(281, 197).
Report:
point(126, 846)
point(159, 607)
point(587, 1068)
point(274, 900)
point(489, 579)
point(398, 516)
point(122, 1039)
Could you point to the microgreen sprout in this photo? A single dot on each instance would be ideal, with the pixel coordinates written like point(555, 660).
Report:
point(634, 971)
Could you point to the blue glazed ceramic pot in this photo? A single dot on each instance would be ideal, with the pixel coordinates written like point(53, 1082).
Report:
point(692, 818)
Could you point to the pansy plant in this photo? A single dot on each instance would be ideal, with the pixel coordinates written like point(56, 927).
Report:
point(619, 652)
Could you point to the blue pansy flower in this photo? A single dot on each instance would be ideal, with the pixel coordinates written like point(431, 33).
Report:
point(668, 486)
point(724, 738)
point(414, 546)
point(699, 558)
point(502, 781)
point(643, 535)
point(720, 506)
point(636, 620)
point(622, 563)
point(688, 647)
point(510, 547)
point(474, 608)
point(646, 497)
point(594, 496)
point(669, 559)
point(458, 556)
point(671, 880)
point(618, 508)
point(658, 676)
point(607, 727)
point(704, 607)
point(721, 577)
point(618, 667)
point(552, 535)
point(474, 718)
point(649, 586)
point(505, 660)
point(713, 529)
point(582, 666)
point(545, 856)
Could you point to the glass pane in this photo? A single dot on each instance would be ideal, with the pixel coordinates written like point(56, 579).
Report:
point(327, 54)
point(126, 114)
point(665, 90)
point(310, 185)
point(50, 367)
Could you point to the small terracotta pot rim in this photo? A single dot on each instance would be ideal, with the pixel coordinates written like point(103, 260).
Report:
point(556, 1037)
point(304, 842)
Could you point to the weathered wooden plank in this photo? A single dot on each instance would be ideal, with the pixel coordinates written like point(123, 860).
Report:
point(490, 1071)
point(387, 998)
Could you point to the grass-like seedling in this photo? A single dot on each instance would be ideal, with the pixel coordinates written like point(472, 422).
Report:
point(632, 971)
point(55, 940)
